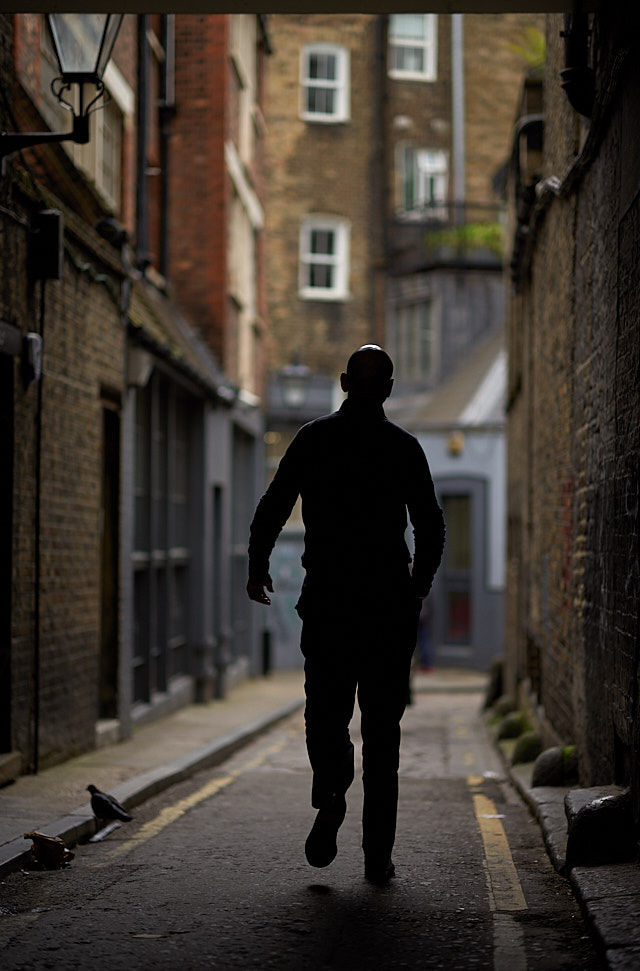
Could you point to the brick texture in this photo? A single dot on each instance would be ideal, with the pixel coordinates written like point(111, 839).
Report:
point(574, 439)
point(199, 189)
point(321, 169)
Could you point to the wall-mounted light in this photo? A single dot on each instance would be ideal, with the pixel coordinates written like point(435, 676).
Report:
point(294, 383)
point(455, 444)
point(83, 45)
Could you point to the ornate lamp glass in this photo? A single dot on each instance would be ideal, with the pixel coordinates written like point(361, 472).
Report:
point(83, 45)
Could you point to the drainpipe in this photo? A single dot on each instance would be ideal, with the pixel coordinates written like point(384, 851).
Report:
point(578, 79)
point(143, 117)
point(458, 116)
point(167, 112)
point(35, 754)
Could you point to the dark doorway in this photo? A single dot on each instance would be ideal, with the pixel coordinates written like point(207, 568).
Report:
point(110, 550)
point(6, 520)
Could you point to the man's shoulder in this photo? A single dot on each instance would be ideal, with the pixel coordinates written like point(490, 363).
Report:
point(318, 425)
point(400, 434)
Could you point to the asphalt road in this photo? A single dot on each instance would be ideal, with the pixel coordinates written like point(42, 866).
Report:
point(212, 874)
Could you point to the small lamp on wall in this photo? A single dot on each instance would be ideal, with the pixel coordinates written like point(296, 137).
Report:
point(455, 444)
point(294, 383)
point(83, 45)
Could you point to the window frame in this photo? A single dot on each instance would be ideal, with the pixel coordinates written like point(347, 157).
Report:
point(339, 259)
point(429, 45)
point(413, 167)
point(341, 86)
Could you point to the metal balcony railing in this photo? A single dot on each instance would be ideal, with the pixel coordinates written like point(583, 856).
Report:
point(445, 232)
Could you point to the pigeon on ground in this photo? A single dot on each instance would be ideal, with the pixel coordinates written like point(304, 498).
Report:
point(107, 807)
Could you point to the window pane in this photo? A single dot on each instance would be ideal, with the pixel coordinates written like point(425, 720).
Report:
point(458, 616)
point(457, 514)
point(409, 163)
point(322, 242)
point(142, 469)
point(322, 66)
point(321, 100)
point(180, 471)
point(111, 149)
point(320, 275)
point(410, 59)
point(411, 26)
point(159, 473)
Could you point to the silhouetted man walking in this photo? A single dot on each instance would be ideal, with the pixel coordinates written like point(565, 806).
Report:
point(357, 474)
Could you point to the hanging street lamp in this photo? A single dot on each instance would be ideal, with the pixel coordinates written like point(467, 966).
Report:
point(83, 45)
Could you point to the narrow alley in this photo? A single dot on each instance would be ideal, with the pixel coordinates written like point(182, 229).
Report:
point(212, 874)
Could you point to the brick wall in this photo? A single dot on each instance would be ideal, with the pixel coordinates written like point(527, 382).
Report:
point(318, 168)
point(83, 354)
point(574, 426)
point(199, 187)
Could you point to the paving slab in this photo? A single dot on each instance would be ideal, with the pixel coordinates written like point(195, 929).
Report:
point(609, 895)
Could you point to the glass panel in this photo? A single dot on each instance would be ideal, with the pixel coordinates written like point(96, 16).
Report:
point(411, 26)
point(322, 242)
point(321, 276)
point(177, 612)
point(409, 59)
point(457, 514)
point(159, 483)
point(141, 636)
point(111, 151)
point(321, 101)
point(77, 38)
point(458, 616)
point(142, 471)
point(409, 178)
point(180, 495)
point(322, 66)
point(159, 650)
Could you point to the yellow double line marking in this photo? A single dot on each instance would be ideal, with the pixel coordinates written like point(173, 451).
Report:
point(171, 813)
point(505, 892)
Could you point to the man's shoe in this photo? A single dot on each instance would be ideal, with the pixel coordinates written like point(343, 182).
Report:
point(321, 846)
point(377, 872)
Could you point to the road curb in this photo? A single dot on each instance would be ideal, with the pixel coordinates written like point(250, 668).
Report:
point(80, 823)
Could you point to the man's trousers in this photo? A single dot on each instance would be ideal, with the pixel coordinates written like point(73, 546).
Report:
point(358, 645)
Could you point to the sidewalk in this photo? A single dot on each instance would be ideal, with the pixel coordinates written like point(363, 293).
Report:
point(158, 755)
point(609, 895)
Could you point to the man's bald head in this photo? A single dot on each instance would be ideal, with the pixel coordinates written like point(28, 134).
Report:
point(369, 374)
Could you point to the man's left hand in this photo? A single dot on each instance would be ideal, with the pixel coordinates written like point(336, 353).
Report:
point(256, 591)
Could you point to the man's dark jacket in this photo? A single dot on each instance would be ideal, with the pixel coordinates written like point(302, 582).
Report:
point(357, 473)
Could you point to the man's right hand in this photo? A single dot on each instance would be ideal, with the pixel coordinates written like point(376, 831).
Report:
point(256, 590)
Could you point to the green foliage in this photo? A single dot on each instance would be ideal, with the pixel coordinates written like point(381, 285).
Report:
point(532, 49)
point(488, 236)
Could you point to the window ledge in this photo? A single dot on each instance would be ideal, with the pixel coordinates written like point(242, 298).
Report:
point(317, 119)
point(412, 76)
point(327, 295)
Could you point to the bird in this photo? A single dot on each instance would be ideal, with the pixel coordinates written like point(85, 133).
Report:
point(106, 806)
